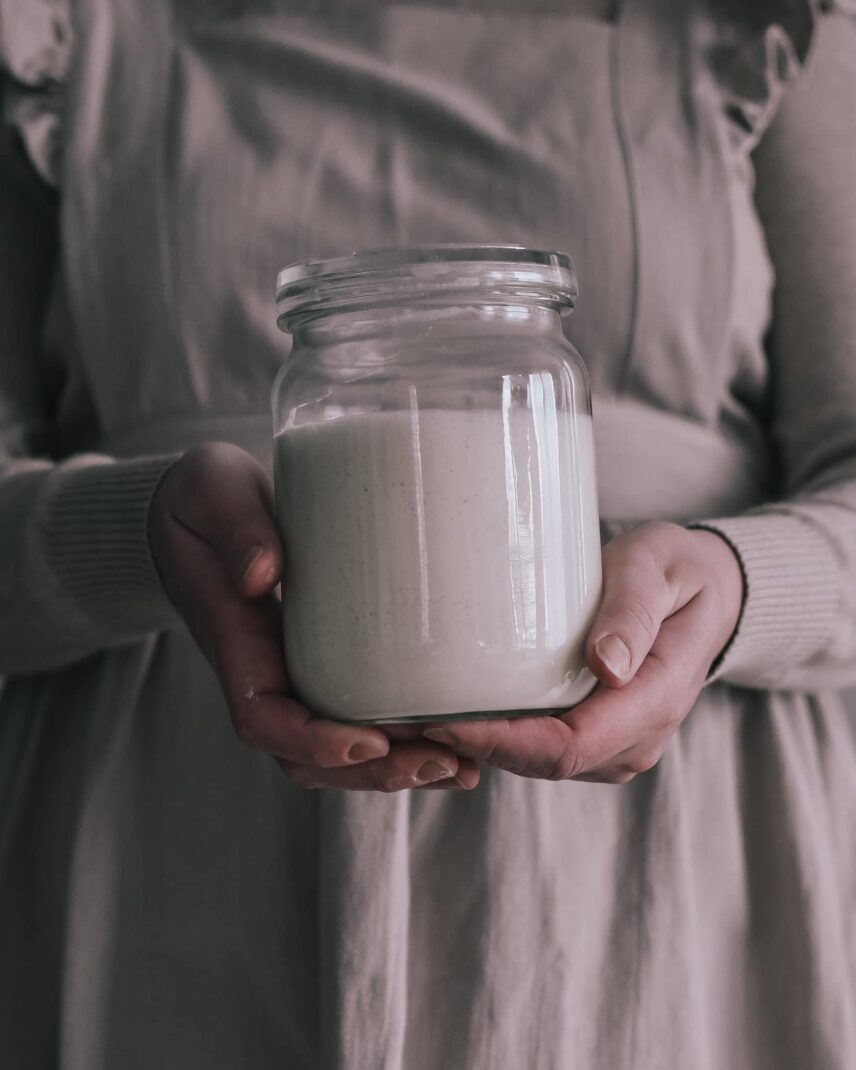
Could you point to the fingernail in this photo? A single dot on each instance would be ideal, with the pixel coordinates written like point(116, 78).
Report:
point(431, 771)
point(614, 654)
point(450, 784)
point(250, 557)
point(364, 752)
point(440, 735)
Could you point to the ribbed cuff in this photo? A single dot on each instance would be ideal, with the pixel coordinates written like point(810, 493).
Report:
point(96, 544)
point(792, 595)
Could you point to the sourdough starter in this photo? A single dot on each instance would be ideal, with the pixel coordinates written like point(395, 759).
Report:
point(439, 562)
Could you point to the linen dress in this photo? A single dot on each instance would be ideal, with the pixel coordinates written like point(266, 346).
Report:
point(167, 899)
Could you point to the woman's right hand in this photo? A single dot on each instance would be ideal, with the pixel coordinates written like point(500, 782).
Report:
point(216, 547)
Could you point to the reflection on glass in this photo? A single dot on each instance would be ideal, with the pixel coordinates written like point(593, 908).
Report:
point(419, 507)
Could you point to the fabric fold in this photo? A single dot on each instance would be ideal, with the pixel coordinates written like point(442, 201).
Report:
point(758, 49)
point(36, 43)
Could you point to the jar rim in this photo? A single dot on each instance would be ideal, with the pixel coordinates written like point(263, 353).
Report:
point(480, 273)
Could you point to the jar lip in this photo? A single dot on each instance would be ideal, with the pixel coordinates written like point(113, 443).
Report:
point(422, 272)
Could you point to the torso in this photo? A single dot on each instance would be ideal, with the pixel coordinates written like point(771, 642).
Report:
point(240, 137)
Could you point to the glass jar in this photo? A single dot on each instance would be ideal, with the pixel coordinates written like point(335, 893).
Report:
point(435, 485)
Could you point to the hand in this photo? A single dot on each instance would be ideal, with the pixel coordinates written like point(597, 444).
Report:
point(215, 544)
point(672, 598)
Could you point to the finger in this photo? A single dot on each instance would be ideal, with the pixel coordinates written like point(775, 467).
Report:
point(468, 773)
point(407, 765)
point(242, 639)
point(627, 734)
point(404, 731)
point(526, 745)
point(590, 738)
point(224, 497)
point(466, 778)
point(641, 588)
point(552, 748)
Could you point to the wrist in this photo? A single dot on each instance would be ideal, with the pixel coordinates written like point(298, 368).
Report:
point(724, 581)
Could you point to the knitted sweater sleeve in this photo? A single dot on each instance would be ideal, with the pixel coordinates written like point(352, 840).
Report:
point(76, 574)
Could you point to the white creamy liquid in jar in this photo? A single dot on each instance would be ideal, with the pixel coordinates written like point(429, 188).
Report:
point(438, 562)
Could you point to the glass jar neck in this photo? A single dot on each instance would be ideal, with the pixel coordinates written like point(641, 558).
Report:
point(445, 321)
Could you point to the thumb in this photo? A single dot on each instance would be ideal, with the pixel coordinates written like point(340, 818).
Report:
point(637, 597)
point(223, 495)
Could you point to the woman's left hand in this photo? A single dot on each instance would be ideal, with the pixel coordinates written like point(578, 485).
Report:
point(671, 601)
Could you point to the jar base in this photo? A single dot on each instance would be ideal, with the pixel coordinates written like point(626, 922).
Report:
point(485, 715)
point(475, 715)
